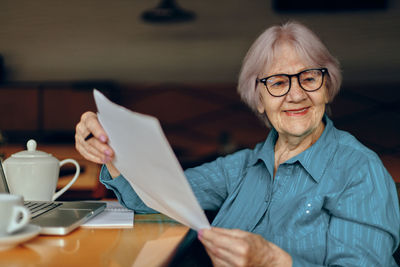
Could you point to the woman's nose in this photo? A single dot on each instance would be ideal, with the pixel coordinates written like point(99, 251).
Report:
point(296, 93)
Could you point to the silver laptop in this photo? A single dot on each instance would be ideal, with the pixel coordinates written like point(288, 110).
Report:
point(56, 217)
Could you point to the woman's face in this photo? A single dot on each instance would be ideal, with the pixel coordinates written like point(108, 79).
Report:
point(298, 113)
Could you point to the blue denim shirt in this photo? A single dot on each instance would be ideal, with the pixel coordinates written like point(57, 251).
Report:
point(333, 204)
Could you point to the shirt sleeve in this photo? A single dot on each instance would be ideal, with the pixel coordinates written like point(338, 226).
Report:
point(124, 192)
point(210, 182)
point(364, 226)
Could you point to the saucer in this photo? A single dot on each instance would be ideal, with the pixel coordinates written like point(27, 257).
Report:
point(12, 240)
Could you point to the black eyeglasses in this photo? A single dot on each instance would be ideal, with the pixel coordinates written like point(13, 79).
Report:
point(309, 80)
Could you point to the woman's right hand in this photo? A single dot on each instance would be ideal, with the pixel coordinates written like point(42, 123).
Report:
point(95, 149)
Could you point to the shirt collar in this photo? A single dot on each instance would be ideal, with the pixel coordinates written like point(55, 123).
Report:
point(314, 160)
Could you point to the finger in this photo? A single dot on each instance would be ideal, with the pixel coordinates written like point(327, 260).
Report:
point(221, 254)
point(89, 154)
point(82, 132)
point(239, 247)
point(95, 145)
point(89, 125)
point(231, 245)
point(216, 261)
point(220, 236)
point(230, 232)
point(93, 126)
point(94, 150)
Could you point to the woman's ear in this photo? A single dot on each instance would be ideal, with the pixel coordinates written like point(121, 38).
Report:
point(260, 104)
point(327, 94)
point(327, 98)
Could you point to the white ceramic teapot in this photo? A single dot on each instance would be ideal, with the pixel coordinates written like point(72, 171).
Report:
point(33, 174)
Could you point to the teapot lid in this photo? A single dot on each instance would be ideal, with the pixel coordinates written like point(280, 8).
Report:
point(31, 152)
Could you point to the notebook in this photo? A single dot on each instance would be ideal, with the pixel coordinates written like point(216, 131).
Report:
point(57, 217)
point(114, 216)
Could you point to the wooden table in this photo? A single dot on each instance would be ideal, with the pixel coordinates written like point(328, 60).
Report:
point(151, 242)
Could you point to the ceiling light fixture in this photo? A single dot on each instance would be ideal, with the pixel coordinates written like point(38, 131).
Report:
point(167, 12)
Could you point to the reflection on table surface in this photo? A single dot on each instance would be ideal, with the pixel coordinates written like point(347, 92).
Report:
point(151, 242)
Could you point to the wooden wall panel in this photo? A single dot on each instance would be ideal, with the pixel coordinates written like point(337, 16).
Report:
point(19, 109)
point(63, 107)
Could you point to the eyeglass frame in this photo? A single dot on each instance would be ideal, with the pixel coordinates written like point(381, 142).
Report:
point(297, 75)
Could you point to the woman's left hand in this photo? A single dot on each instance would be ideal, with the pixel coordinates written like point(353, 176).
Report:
point(228, 247)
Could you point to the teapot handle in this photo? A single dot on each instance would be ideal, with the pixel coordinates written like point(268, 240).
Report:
point(66, 187)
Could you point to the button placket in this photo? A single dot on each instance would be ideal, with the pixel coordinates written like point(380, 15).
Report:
point(282, 176)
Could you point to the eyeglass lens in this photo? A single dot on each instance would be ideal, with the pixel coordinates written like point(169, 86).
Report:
point(309, 80)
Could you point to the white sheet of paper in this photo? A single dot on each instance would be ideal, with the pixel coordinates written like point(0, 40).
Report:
point(145, 158)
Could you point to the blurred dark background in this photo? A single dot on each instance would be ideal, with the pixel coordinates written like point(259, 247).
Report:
point(183, 68)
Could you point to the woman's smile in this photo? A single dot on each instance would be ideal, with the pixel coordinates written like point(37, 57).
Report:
point(297, 112)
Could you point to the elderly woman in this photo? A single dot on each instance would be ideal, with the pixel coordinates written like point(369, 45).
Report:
point(309, 195)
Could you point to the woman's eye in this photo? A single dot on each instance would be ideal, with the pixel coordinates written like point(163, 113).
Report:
point(309, 79)
point(277, 84)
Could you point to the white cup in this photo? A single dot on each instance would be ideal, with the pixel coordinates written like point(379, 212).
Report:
point(14, 216)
